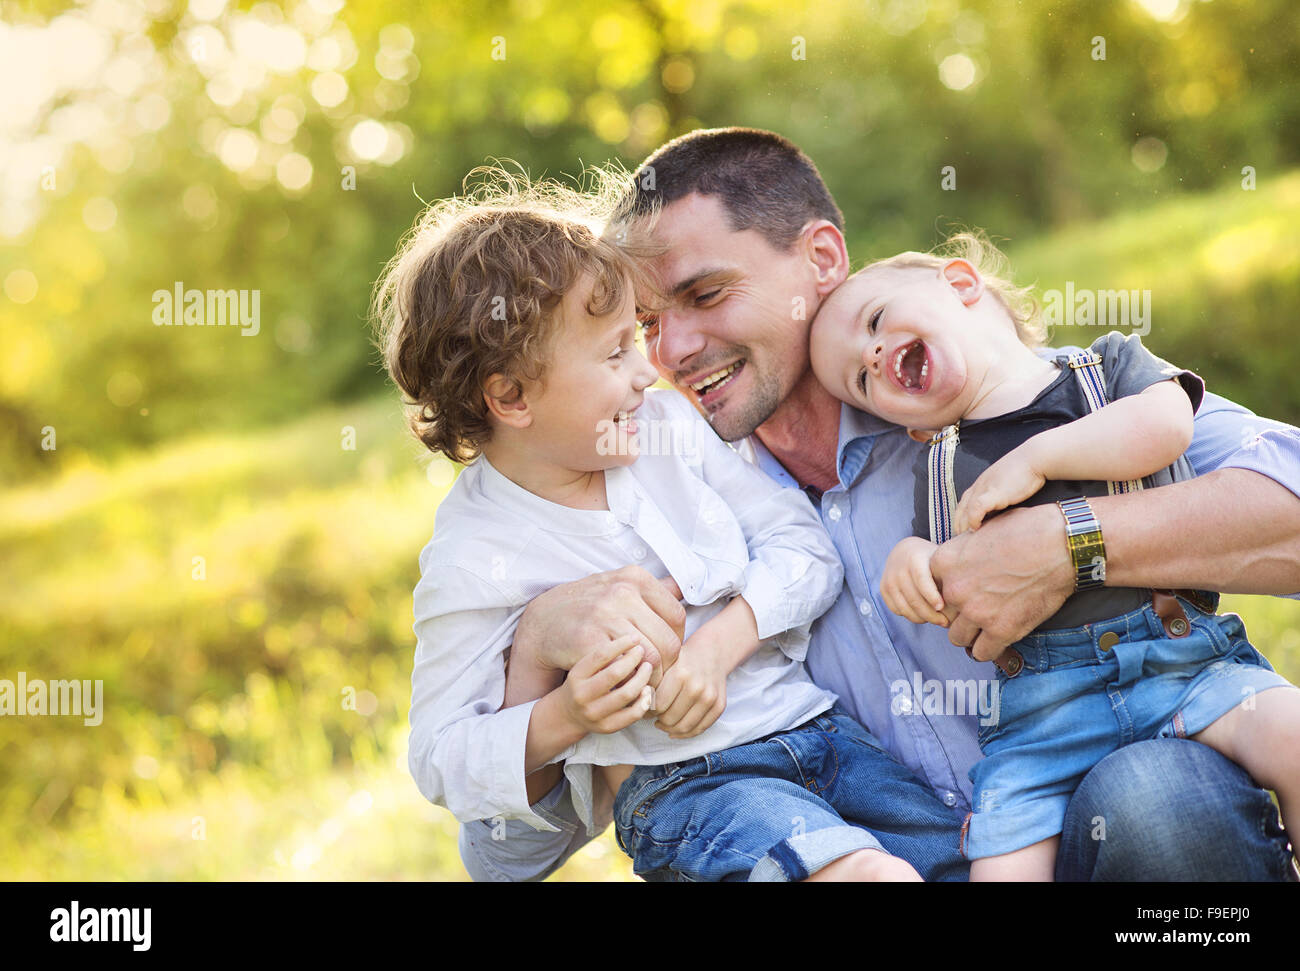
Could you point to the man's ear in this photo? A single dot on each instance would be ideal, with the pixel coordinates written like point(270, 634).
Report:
point(506, 402)
point(921, 435)
point(964, 279)
point(828, 254)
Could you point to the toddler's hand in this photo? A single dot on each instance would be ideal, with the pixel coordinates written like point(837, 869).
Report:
point(1011, 479)
point(908, 587)
point(609, 688)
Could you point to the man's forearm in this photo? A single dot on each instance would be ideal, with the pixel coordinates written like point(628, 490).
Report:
point(1232, 530)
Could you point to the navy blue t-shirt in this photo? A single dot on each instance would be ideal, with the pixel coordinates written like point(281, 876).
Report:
point(1129, 369)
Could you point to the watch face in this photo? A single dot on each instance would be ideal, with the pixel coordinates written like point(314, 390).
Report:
point(1083, 536)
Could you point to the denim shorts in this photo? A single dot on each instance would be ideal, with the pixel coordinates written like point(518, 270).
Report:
point(782, 807)
point(1076, 701)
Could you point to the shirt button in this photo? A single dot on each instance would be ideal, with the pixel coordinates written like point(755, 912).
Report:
point(834, 514)
point(949, 799)
point(864, 608)
point(903, 704)
point(639, 552)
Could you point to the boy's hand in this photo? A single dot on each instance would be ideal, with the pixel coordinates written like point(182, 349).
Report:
point(609, 689)
point(908, 587)
point(693, 692)
point(1011, 479)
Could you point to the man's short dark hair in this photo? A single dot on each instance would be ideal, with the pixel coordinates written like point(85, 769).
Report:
point(762, 179)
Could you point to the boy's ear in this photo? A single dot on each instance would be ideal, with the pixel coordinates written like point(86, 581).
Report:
point(506, 402)
point(921, 435)
point(964, 279)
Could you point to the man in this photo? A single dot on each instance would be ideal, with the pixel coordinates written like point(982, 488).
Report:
point(754, 243)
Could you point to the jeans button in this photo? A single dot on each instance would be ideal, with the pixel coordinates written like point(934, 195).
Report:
point(1108, 640)
point(1178, 627)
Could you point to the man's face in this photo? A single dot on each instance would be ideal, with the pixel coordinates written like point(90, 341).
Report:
point(733, 338)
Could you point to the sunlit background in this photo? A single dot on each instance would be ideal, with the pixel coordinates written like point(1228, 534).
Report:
point(224, 528)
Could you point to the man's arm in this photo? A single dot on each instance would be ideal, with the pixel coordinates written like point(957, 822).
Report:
point(1247, 535)
point(1235, 528)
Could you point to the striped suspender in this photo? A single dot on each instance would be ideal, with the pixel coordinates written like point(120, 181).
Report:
point(1087, 368)
point(943, 493)
point(943, 449)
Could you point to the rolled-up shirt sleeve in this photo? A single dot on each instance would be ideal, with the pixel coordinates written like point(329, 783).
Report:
point(466, 752)
point(1228, 436)
point(794, 572)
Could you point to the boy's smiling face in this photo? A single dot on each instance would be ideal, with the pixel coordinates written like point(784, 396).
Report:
point(595, 380)
point(901, 342)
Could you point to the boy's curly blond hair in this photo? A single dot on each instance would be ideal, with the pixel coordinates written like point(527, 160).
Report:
point(995, 269)
point(474, 288)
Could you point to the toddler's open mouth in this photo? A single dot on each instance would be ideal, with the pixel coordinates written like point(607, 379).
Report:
point(909, 367)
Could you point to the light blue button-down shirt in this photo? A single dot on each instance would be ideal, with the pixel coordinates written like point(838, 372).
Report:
point(874, 660)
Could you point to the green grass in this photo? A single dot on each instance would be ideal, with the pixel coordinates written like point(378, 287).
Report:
point(1224, 274)
point(224, 694)
point(225, 675)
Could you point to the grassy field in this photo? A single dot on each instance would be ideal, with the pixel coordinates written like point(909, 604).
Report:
point(247, 602)
point(226, 750)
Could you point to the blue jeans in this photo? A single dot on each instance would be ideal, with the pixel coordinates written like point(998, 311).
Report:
point(1171, 810)
point(1085, 692)
point(783, 806)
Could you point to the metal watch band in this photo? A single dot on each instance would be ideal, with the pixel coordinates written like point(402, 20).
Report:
point(1083, 536)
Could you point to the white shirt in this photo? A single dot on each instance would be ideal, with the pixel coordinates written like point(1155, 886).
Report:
point(688, 507)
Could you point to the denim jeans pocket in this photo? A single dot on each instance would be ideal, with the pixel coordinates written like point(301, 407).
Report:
point(644, 798)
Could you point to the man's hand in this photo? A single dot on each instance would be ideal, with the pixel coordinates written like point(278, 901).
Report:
point(1004, 579)
point(568, 622)
point(908, 587)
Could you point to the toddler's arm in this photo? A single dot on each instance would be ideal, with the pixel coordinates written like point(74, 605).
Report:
point(1130, 438)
